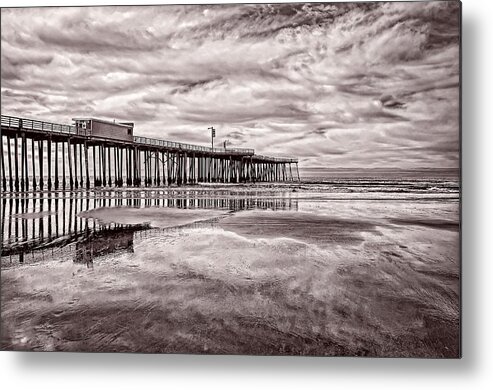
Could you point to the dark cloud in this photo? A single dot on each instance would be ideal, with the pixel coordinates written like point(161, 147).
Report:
point(235, 135)
point(388, 101)
point(189, 86)
point(349, 84)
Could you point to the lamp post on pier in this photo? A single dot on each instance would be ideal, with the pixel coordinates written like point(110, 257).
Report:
point(213, 134)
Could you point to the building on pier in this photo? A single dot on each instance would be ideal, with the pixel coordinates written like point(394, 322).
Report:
point(93, 127)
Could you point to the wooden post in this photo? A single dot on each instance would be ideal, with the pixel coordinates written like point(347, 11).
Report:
point(190, 169)
point(120, 158)
point(297, 170)
point(239, 166)
point(168, 168)
point(24, 178)
point(162, 163)
point(109, 166)
point(34, 165)
point(26, 163)
point(136, 164)
point(76, 180)
point(156, 167)
point(181, 165)
point(152, 166)
point(205, 160)
point(178, 169)
point(81, 182)
point(22, 162)
point(126, 154)
point(69, 154)
point(118, 172)
point(252, 171)
point(117, 165)
point(213, 169)
point(48, 144)
point(149, 168)
point(130, 166)
point(40, 158)
point(158, 175)
point(199, 166)
point(102, 161)
point(142, 160)
point(193, 173)
point(174, 168)
point(4, 177)
point(86, 159)
point(64, 179)
point(210, 172)
point(16, 161)
point(138, 176)
point(11, 181)
point(57, 182)
point(95, 177)
point(146, 168)
point(100, 165)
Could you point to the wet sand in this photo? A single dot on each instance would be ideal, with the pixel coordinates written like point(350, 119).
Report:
point(153, 216)
point(344, 278)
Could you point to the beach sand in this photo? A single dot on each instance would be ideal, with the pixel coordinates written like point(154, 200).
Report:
point(335, 278)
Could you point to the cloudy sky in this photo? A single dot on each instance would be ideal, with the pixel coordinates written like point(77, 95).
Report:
point(338, 85)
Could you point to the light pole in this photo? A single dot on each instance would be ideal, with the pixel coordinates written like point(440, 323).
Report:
point(213, 134)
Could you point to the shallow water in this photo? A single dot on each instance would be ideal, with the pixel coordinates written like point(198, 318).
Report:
point(291, 269)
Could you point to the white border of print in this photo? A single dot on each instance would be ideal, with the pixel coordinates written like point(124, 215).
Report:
point(128, 371)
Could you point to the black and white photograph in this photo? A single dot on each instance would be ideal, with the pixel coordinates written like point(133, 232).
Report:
point(232, 179)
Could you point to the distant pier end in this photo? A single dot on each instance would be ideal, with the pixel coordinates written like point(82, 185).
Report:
point(99, 153)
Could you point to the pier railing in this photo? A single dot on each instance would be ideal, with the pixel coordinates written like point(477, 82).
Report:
point(31, 124)
point(276, 158)
point(190, 147)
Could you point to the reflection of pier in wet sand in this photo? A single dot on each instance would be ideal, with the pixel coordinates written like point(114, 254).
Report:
point(42, 224)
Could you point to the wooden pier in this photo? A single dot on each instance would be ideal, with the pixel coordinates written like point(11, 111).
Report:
point(49, 156)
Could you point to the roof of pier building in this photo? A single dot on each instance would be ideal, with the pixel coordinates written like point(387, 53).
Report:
point(122, 124)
